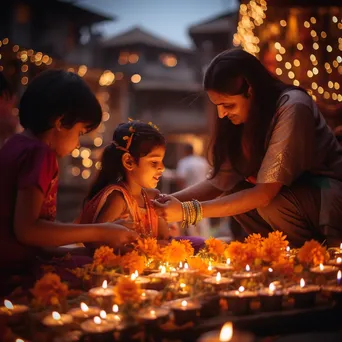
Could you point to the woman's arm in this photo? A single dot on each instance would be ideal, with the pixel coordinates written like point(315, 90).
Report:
point(230, 205)
point(31, 230)
point(242, 201)
point(202, 191)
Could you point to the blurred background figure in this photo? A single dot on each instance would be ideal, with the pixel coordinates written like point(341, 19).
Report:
point(192, 169)
point(8, 122)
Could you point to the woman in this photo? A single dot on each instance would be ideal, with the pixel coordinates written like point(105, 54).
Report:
point(276, 163)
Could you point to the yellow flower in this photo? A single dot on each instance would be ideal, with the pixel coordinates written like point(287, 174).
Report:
point(215, 247)
point(127, 291)
point(133, 262)
point(175, 252)
point(312, 253)
point(188, 248)
point(49, 290)
point(104, 256)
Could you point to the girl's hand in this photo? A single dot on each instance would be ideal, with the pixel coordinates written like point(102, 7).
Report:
point(170, 210)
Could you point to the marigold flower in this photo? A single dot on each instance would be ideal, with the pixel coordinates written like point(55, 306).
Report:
point(312, 253)
point(104, 256)
point(49, 290)
point(175, 252)
point(215, 247)
point(127, 291)
point(133, 262)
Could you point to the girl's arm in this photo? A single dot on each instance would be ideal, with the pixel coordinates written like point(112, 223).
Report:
point(113, 208)
point(202, 191)
point(31, 230)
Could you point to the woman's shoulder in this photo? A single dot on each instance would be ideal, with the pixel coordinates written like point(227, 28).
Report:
point(294, 96)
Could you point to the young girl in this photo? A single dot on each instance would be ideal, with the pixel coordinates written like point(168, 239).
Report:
point(131, 168)
point(55, 110)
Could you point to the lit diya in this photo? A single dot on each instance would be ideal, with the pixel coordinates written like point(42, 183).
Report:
point(271, 298)
point(153, 315)
point(13, 313)
point(247, 274)
point(304, 295)
point(218, 282)
point(185, 311)
point(336, 262)
point(185, 270)
point(57, 320)
point(239, 301)
point(335, 290)
point(323, 269)
point(142, 281)
point(97, 328)
point(226, 334)
point(84, 312)
point(224, 267)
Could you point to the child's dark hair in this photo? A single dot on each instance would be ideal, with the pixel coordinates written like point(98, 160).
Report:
point(58, 93)
point(145, 138)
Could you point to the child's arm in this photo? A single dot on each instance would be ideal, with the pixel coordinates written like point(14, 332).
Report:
point(31, 230)
point(113, 208)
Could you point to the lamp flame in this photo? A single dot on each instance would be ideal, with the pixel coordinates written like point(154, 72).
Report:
point(186, 266)
point(84, 307)
point(163, 270)
point(103, 314)
point(272, 287)
point(8, 304)
point(241, 289)
point(228, 261)
point(97, 320)
point(56, 316)
point(218, 276)
point(115, 308)
point(184, 303)
point(321, 267)
point(339, 260)
point(180, 264)
point(302, 283)
point(104, 284)
point(226, 333)
point(248, 268)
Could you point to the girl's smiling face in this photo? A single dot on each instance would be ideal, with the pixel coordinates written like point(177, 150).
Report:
point(149, 169)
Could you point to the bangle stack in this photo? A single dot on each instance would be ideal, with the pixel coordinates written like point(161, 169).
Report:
point(192, 213)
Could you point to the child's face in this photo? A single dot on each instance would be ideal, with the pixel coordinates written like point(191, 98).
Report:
point(150, 168)
point(66, 140)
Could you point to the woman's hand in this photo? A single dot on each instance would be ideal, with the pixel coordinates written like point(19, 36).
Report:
point(170, 209)
point(118, 235)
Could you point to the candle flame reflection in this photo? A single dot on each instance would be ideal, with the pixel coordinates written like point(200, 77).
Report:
point(226, 333)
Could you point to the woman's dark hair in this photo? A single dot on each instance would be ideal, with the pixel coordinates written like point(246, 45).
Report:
point(233, 72)
point(145, 138)
point(5, 87)
point(58, 93)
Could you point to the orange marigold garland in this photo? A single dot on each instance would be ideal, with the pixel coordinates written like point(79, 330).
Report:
point(132, 262)
point(127, 291)
point(174, 253)
point(49, 290)
point(312, 253)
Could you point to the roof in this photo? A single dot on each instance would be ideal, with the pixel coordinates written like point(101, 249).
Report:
point(216, 24)
point(137, 35)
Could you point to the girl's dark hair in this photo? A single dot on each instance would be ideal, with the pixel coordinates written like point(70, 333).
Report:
point(232, 72)
point(145, 138)
point(56, 93)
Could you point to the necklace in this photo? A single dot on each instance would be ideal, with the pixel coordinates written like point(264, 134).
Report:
point(144, 230)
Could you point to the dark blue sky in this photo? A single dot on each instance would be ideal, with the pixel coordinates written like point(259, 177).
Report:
point(166, 18)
